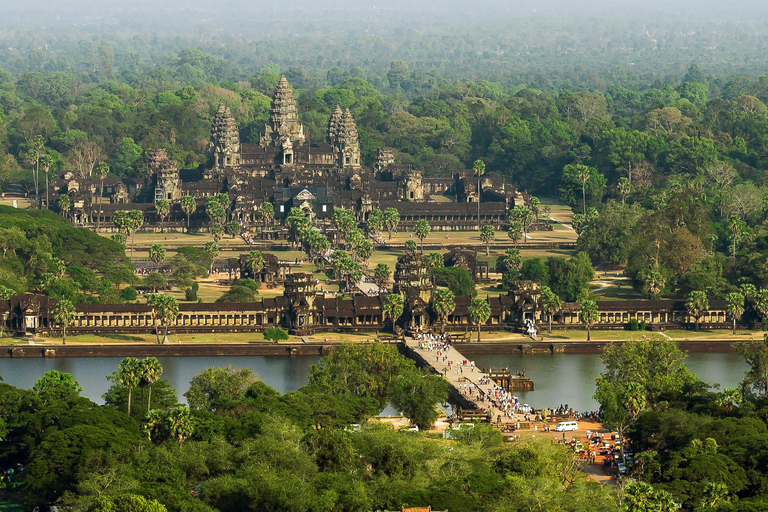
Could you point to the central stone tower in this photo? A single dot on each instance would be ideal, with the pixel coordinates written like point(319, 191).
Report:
point(283, 131)
point(225, 139)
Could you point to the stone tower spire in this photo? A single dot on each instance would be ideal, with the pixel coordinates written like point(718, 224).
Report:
point(348, 144)
point(334, 125)
point(225, 138)
point(283, 125)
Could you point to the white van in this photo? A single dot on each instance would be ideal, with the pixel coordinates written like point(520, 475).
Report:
point(566, 426)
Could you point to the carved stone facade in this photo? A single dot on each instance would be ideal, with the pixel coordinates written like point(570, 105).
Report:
point(286, 160)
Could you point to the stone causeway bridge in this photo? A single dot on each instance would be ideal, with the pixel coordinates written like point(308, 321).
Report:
point(457, 374)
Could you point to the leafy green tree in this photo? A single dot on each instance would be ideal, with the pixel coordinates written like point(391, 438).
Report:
point(391, 220)
point(344, 220)
point(570, 278)
point(579, 179)
point(696, 305)
point(479, 313)
point(754, 385)
point(458, 280)
point(393, 307)
point(218, 389)
point(120, 239)
point(129, 375)
point(410, 246)
point(588, 314)
point(174, 423)
point(624, 188)
point(150, 371)
point(487, 234)
point(55, 386)
point(157, 254)
point(64, 314)
point(126, 503)
point(734, 306)
point(163, 209)
point(421, 229)
point(760, 303)
point(364, 250)
point(443, 303)
point(275, 334)
point(550, 303)
point(167, 311)
point(416, 394)
point(188, 206)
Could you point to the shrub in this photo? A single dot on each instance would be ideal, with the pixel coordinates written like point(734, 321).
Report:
point(275, 334)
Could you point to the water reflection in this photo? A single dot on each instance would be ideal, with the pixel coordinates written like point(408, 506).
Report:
point(560, 379)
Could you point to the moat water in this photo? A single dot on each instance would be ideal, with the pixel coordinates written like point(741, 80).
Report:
point(559, 379)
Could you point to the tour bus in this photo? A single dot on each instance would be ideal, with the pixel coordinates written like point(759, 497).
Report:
point(566, 426)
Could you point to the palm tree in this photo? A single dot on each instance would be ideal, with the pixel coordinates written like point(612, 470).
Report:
point(588, 314)
point(760, 302)
point(550, 303)
point(393, 307)
point(391, 220)
point(162, 208)
point(267, 212)
point(479, 313)
point(151, 370)
point(157, 254)
point(381, 275)
point(478, 169)
point(624, 187)
point(734, 304)
point(153, 302)
point(254, 262)
point(188, 206)
point(696, 305)
point(179, 424)
point(486, 235)
point(515, 231)
point(64, 204)
point(129, 374)
point(167, 311)
point(103, 170)
point(64, 315)
point(46, 161)
point(211, 248)
point(535, 205)
point(421, 229)
point(583, 174)
point(443, 303)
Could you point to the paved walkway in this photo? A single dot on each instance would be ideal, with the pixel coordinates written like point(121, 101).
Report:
point(460, 374)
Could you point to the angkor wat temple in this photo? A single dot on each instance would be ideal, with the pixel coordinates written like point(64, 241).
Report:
point(287, 169)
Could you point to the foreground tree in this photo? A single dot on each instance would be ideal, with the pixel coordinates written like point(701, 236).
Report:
point(479, 313)
point(129, 375)
point(381, 275)
point(754, 385)
point(478, 169)
point(150, 372)
point(415, 394)
point(64, 315)
point(217, 389)
point(391, 220)
point(163, 209)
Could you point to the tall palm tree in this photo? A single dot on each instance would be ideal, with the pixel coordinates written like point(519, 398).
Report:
point(443, 303)
point(64, 204)
point(64, 315)
point(478, 169)
point(163, 208)
point(254, 262)
point(486, 235)
point(588, 314)
point(103, 170)
point(734, 304)
point(583, 174)
point(129, 374)
point(393, 307)
point(550, 303)
point(391, 220)
point(46, 161)
point(479, 313)
point(696, 305)
point(151, 370)
point(421, 229)
point(179, 423)
point(167, 311)
point(188, 206)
